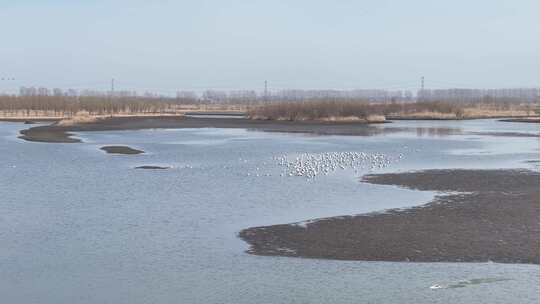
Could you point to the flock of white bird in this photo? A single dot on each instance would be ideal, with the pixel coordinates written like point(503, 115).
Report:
point(311, 165)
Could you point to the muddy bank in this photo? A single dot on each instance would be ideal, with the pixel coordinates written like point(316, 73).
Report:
point(485, 215)
point(48, 134)
point(216, 113)
point(526, 120)
point(56, 133)
point(152, 168)
point(121, 150)
point(443, 117)
point(64, 133)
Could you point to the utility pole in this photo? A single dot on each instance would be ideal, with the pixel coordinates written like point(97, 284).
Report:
point(112, 86)
point(422, 87)
point(266, 90)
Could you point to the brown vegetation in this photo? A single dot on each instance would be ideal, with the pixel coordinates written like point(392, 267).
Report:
point(337, 109)
point(66, 106)
point(316, 110)
point(363, 110)
point(58, 107)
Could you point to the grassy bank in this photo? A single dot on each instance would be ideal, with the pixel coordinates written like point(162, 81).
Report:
point(369, 112)
point(318, 111)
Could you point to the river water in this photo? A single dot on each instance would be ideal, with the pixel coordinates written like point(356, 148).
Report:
point(81, 226)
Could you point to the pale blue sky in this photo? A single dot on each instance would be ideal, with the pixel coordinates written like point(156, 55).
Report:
point(168, 45)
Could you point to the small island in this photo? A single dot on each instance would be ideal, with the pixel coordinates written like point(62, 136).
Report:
point(152, 168)
point(121, 150)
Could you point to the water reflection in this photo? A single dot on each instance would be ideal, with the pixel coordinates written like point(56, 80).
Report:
point(437, 132)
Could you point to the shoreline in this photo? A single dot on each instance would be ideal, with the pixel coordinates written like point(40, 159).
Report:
point(504, 118)
point(388, 118)
point(478, 216)
point(55, 133)
point(523, 120)
point(63, 133)
point(30, 119)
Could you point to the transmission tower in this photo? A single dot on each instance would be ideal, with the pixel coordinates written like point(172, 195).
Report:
point(266, 90)
point(422, 87)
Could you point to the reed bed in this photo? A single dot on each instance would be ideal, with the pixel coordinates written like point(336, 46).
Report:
point(361, 110)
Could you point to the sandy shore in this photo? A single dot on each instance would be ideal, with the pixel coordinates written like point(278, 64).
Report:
point(485, 215)
point(63, 134)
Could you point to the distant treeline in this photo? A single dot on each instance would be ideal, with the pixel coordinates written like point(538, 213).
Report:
point(294, 95)
point(252, 97)
point(67, 105)
point(513, 95)
point(307, 108)
point(466, 96)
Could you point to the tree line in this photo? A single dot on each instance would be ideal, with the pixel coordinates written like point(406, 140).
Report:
point(329, 109)
point(94, 105)
point(309, 108)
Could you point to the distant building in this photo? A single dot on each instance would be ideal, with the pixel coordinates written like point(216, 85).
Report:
point(43, 92)
point(58, 92)
point(473, 95)
point(27, 91)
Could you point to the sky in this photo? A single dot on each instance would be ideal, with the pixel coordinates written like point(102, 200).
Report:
point(166, 45)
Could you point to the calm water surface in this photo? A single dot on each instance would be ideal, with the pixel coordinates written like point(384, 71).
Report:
point(81, 226)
